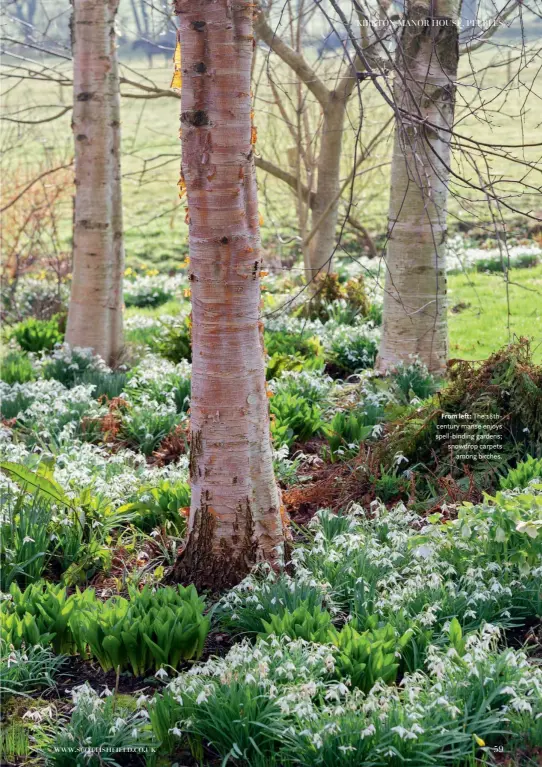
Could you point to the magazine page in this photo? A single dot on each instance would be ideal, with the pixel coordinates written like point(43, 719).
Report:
point(271, 383)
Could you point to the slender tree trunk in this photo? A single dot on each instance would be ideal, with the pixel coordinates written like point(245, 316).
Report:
point(117, 299)
point(95, 284)
point(320, 251)
point(414, 320)
point(235, 515)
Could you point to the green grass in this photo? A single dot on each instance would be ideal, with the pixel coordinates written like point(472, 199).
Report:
point(481, 328)
point(171, 307)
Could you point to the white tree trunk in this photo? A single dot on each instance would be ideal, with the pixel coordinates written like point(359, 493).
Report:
point(96, 283)
point(414, 319)
point(235, 515)
point(117, 300)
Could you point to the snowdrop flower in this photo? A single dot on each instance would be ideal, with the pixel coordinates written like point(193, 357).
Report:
point(202, 697)
point(162, 673)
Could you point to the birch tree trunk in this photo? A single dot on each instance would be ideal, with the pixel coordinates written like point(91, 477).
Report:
point(414, 318)
point(116, 306)
point(96, 294)
point(235, 515)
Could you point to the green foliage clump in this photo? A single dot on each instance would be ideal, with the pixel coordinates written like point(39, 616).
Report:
point(525, 471)
point(389, 486)
point(159, 504)
point(174, 341)
point(181, 394)
point(293, 419)
point(345, 433)
point(412, 381)
point(144, 429)
point(34, 539)
point(164, 713)
point(371, 655)
point(309, 385)
point(352, 350)
point(152, 629)
point(16, 368)
point(509, 529)
point(245, 608)
point(310, 624)
point(292, 351)
point(328, 292)
point(35, 335)
point(362, 657)
point(39, 615)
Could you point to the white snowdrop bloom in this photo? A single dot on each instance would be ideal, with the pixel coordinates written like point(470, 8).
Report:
point(508, 691)
point(162, 673)
point(368, 731)
point(403, 733)
point(520, 704)
point(317, 740)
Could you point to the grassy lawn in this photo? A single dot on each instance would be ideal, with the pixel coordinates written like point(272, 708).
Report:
point(481, 327)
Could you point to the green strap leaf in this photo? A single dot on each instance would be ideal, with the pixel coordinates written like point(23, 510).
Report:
point(32, 482)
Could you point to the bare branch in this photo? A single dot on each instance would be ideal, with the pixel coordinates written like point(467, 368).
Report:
point(35, 181)
point(294, 60)
point(283, 175)
point(490, 31)
point(38, 122)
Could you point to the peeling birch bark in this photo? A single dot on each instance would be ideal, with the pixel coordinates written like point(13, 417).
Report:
point(414, 318)
point(116, 306)
point(235, 516)
point(93, 321)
